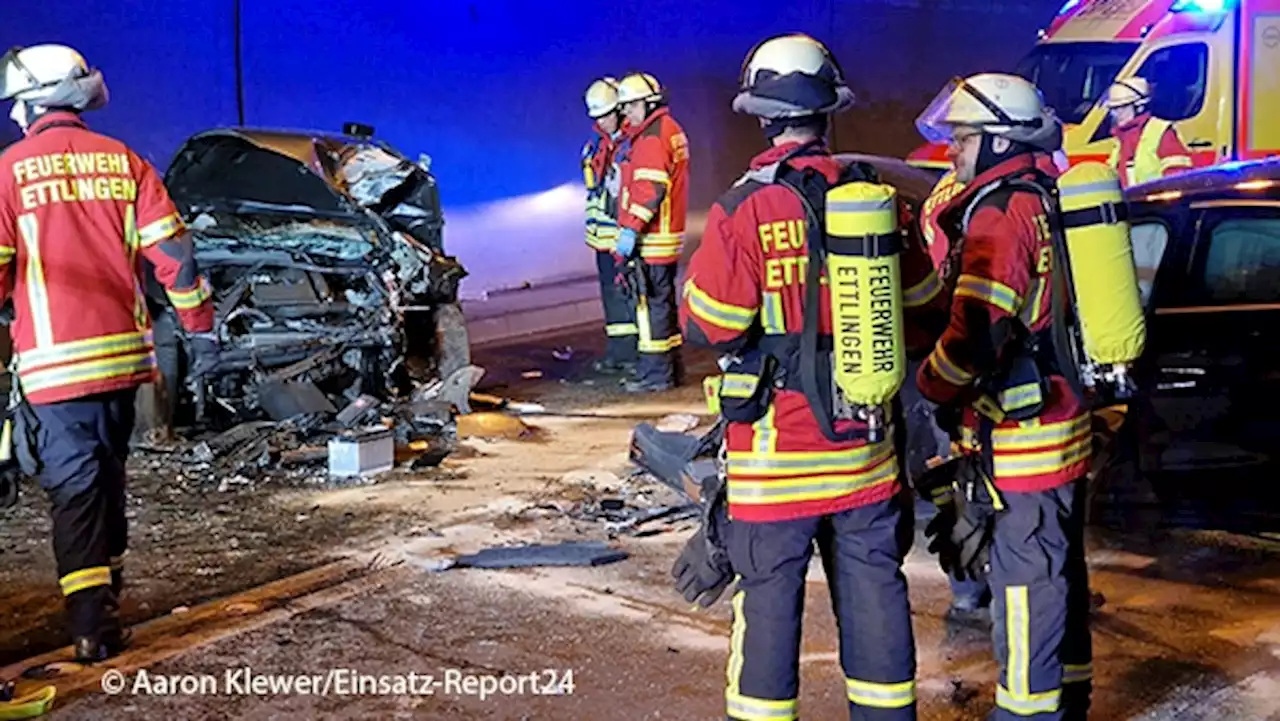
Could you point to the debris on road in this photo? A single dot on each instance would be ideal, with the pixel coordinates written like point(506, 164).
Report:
point(569, 553)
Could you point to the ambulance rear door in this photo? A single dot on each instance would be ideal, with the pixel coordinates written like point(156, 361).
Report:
point(1257, 131)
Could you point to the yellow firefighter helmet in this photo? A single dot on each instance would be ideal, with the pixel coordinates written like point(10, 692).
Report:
point(602, 97)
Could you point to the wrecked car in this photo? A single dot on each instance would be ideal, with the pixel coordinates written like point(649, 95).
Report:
point(326, 257)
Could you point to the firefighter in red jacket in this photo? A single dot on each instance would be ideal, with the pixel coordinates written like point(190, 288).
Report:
point(1024, 430)
point(798, 471)
point(600, 173)
point(654, 161)
point(1147, 148)
point(78, 213)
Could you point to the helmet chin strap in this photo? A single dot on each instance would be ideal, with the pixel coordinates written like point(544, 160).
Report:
point(24, 114)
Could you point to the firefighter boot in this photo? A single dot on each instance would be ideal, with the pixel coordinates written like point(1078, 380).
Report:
point(94, 618)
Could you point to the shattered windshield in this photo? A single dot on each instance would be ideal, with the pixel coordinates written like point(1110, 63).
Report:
point(334, 240)
point(1073, 76)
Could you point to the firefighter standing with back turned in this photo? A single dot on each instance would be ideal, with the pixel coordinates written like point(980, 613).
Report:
point(801, 465)
point(654, 158)
point(600, 173)
point(1147, 148)
point(1023, 427)
point(78, 211)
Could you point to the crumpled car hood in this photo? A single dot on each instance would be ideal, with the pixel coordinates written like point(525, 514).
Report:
point(329, 176)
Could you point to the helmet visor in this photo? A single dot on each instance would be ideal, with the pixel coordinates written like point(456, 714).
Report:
point(935, 122)
point(14, 76)
point(960, 103)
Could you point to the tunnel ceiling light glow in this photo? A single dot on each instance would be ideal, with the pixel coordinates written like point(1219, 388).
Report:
point(1201, 6)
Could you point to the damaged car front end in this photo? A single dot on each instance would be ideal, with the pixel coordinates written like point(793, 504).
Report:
point(325, 254)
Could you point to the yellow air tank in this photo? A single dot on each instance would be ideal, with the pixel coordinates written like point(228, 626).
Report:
point(863, 245)
point(1103, 274)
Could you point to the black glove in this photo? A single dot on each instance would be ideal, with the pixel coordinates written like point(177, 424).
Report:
point(947, 418)
point(961, 532)
point(702, 571)
point(204, 354)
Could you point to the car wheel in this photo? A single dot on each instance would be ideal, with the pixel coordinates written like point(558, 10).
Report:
point(453, 345)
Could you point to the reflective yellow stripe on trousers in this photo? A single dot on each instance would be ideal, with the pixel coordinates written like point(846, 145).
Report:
point(738, 705)
point(1015, 694)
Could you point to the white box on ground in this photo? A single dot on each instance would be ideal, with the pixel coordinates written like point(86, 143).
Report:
point(362, 453)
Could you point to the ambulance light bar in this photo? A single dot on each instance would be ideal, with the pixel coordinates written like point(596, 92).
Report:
point(1201, 6)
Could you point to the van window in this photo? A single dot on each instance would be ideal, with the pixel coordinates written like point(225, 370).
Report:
point(1149, 241)
point(1072, 76)
point(1179, 76)
point(1242, 262)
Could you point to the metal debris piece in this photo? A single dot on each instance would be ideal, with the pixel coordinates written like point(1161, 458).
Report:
point(456, 389)
point(358, 411)
point(282, 400)
point(531, 374)
point(569, 553)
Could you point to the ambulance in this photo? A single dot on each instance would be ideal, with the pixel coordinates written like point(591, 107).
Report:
point(1212, 65)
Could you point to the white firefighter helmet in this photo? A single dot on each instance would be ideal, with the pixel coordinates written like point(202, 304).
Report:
point(1131, 91)
point(51, 76)
point(791, 76)
point(602, 97)
point(639, 86)
point(995, 103)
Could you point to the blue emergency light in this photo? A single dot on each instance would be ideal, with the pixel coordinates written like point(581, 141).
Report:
point(1200, 6)
point(1068, 6)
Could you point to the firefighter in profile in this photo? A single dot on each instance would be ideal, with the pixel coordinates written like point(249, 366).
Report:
point(600, 173)
point(1025, 435)
point(654, 160)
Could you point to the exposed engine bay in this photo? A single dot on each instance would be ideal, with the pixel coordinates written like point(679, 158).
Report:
point(329, 278)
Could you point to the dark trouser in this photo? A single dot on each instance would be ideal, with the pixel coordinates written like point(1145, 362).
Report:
point(862, 551)
point(659, 326)
point(1040, 610)
point(619, 313)
point(82, 445)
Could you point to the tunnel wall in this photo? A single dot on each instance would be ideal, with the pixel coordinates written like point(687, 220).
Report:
point(491, 89)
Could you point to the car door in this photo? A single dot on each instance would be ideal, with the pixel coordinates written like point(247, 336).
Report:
point(1212, 342)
